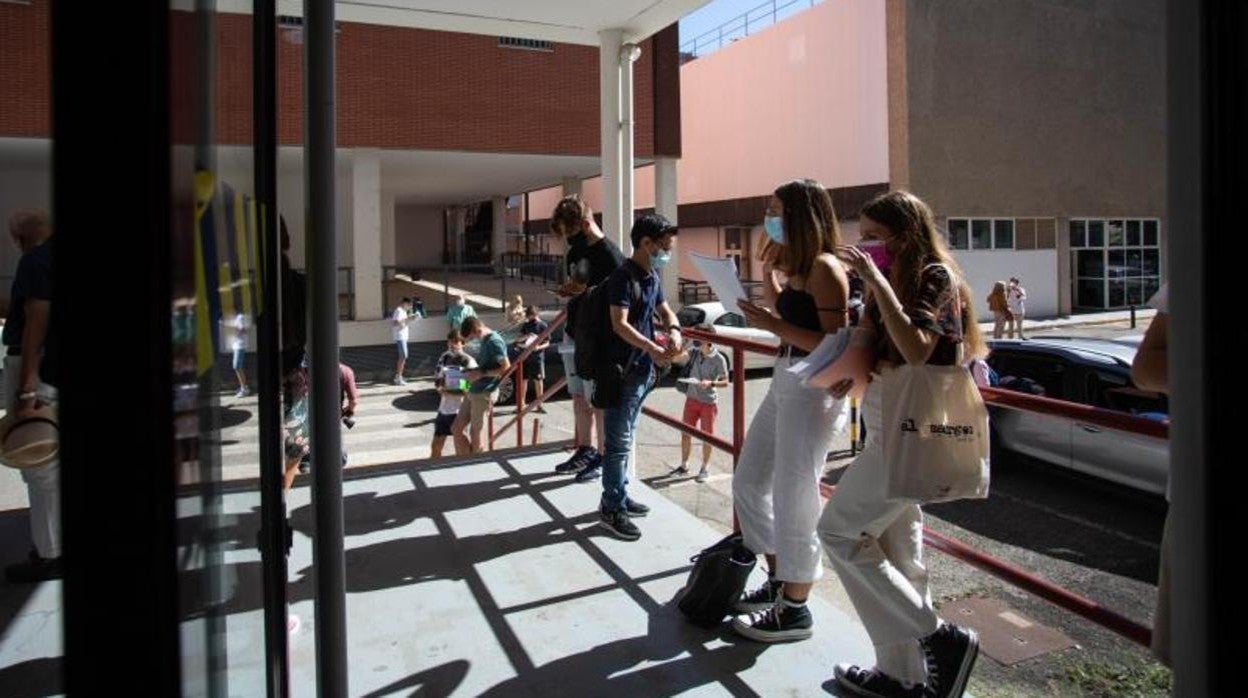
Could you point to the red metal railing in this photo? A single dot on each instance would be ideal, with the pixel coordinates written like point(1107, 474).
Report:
point(517, 368)
point(1064, 598)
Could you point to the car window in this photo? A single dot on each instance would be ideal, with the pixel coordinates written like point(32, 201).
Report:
point(1036, 374)
point(690, 316)
point(1114, 391)
point(730, 320)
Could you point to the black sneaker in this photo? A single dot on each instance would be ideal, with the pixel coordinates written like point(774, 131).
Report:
point(591, 468)
point(618, 523)
point(34, 569)
point(760, 599)
point(951, 653)
point(635, 510)
point(576, 462)
point(873, 684)
point(780, 623)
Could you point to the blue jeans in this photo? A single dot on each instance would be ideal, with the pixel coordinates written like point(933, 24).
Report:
point(621, 427)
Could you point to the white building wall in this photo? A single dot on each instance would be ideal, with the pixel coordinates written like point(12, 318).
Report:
point(1036, 270)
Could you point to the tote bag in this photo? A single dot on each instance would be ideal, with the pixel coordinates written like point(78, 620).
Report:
point(935, 435)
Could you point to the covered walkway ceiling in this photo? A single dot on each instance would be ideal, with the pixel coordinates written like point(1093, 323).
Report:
point(566, 21)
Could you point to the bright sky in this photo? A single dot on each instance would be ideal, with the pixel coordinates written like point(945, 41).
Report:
point(717, 12)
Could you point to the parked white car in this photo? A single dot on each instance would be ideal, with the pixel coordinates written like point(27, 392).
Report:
point(730, 323)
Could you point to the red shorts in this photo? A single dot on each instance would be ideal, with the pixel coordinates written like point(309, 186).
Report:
point(700, 411)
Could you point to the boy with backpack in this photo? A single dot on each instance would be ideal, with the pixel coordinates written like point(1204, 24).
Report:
point(615, 328)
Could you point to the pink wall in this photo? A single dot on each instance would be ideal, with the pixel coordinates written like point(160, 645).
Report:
point(805, 98)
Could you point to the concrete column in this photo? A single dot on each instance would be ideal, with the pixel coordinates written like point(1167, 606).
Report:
point(628, 54)
point(366, 234)
point(498, 231)
point(1065, 274)
point(665, 203)
point(388, 206)
point(610, 42)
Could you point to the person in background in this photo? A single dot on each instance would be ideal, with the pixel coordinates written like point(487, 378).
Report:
point(1000, 309)
point(1016, 299)
point(399, 330)
point(535, 365)
point(492, 363)
point(709, 369)
point(459, 311)
point(515, 310)
point(239, 344)
point(26, 390)
point(1150, 370)
point(453, 362)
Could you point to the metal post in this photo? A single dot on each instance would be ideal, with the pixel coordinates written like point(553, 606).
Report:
point(273, 525)
point(853, 426)
point(520, 390)
point(326, 442)
point(738, 403)
point(1133, 316)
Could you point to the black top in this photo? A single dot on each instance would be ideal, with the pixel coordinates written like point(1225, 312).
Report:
point(33, 281)
point(798, 308)
point(590, 264)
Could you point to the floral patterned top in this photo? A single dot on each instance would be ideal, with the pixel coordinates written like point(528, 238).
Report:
point(936, 308)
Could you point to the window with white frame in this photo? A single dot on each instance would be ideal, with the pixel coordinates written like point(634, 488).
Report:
point(1116, 262)
point(981, 233)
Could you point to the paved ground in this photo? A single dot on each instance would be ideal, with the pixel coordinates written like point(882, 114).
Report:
point(1097, 540)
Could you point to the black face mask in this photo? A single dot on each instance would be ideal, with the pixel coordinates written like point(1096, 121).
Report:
point(578, 239)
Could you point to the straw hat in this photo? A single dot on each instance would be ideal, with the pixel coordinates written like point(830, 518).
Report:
point(29, 441)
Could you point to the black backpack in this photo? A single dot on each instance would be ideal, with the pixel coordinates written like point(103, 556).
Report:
point(718, 577)
point(593, 333)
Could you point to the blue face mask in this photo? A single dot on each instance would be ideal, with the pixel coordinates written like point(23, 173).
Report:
point(774, 225)
point(660, 259)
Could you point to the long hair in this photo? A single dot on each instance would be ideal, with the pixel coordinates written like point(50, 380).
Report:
point(810, 226)
point(997, 295)
point(919, 244)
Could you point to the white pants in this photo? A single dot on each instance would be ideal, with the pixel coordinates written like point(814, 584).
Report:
point(43, 484)
point(775, 488)
point(876, 548)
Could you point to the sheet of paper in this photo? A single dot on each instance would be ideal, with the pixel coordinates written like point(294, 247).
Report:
point(854, 363)
point(721, 274)
point(690, 381)
point(829, 348)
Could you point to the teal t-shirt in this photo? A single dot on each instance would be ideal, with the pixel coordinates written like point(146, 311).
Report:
point(493, 352)
point(456, 315)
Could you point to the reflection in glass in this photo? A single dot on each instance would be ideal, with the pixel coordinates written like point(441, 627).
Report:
point(958, 234)
point(1134, 258)
point(1117, 294)
point(1133, 233)
point(1150, 287)
point(1135, 292)
point(1090, 264)
point(1096, 233)
point(1003, 234)
point(1150, 233)
point(1116, 234)
point(1117, 264)
point(1150, 262)
point(1078, 233)
point(981, 234)
point(1090, 293)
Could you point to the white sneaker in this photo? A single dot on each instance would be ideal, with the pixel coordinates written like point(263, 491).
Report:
point(703, 474)
point(398, 380)
point(242, 392)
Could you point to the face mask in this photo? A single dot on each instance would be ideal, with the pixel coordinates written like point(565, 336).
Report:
point(879, 253)
point(660, 259)
point(774, 225)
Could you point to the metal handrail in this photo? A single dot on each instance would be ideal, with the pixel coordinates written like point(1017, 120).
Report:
point(517, 367)
point(1011, 574)
point(741, 23)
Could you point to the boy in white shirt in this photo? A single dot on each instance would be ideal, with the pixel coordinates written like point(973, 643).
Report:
point(1015, 299)
point(398, 328)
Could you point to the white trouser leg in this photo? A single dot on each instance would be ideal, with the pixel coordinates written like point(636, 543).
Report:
point(751, 481)
point(43, 482)
point(875, 545)
point(807, 420)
